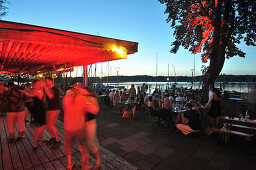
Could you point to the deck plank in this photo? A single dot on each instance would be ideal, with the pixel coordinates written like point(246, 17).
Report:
point(31, 153)
point(1, 165)
point(23, 154)
point(58, 152)
point(49, 166)
point(5, 148)
point(50, 153)
point(58, 165)
point(47, 152)
point(20, 155)
point(39, 152)
point(16, 161)
point(40, 167)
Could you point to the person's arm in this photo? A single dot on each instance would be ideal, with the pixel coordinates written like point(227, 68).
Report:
point(184, 119)
point(92, 105)
point(48, 91)
point(29, 94)
point(153, 106)
point(209, 102)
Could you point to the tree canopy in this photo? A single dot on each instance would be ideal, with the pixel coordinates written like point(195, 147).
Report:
point(3, 9)
point(197, 23)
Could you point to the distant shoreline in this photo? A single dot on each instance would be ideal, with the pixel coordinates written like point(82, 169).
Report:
point(146, 78)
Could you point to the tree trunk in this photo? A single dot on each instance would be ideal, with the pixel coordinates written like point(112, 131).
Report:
point(217, 56)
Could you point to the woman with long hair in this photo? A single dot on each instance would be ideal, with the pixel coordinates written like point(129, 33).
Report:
point(214, 104)
point(38, 94)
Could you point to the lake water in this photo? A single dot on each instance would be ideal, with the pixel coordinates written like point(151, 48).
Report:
point(232, 86)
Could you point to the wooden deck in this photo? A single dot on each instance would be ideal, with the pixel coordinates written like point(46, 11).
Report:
point(20, 155)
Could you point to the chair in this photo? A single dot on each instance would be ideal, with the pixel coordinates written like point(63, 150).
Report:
point(166, 119)
point(153, 118)
point(120, 109)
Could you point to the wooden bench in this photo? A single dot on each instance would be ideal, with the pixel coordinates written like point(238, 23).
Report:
point(233, 132)
point(243, 127)
point(20, 155)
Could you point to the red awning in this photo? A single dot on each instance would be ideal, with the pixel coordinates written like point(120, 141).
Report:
point(27, 48)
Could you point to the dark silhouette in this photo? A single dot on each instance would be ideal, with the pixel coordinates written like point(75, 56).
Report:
point(213, 27)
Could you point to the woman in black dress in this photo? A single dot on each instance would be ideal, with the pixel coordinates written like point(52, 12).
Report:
point(38, 110)
point(214, 105)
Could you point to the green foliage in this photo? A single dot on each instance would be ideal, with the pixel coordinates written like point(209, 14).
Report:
point(195, 21)
point(3, 9)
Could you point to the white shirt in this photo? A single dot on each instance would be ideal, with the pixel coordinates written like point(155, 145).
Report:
point(111, 95)
point(179, 99)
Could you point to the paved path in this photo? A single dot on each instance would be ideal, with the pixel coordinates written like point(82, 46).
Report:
point(176, 151)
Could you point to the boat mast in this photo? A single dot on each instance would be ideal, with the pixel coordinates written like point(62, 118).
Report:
point(175, 74)
point(156, 70)
point(168, 78)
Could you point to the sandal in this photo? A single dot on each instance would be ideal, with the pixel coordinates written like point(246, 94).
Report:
point(34, 147)
point(56, 145)
point(70, 167)
point(51, 141)
point(98, 164)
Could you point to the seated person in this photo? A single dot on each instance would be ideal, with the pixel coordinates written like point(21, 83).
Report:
point(116, 98)
point(138, 104)
point(151, 107)
point(166, 111)
point(124, 97)
point(197, 108)
point(190, 120)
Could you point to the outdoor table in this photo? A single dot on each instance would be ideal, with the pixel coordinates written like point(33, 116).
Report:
point(236, 119)
point(236, 99)
point(229, 124)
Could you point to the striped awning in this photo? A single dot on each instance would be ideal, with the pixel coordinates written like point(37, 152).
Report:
point(27, 48)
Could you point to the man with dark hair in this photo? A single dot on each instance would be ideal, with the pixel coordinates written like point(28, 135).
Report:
point(132, 93)
point(190, 120)
point(52, 113)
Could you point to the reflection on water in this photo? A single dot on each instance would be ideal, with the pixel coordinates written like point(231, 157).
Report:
point(233, 86)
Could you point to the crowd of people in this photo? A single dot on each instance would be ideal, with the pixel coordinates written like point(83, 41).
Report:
point(181, 108)
point(41, 103)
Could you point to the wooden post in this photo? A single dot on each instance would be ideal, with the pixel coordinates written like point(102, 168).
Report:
point(64, 87)
point(85, 74)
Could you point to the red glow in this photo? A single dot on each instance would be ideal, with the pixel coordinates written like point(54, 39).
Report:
point(203, 21)
point(46, 49)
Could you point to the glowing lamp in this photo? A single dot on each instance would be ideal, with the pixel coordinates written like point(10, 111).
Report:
point(121, 51)
point(40, 75)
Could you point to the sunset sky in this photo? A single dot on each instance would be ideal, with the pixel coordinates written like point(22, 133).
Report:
point(141, 21)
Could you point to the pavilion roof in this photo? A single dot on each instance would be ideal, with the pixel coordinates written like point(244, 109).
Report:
point(28, 48)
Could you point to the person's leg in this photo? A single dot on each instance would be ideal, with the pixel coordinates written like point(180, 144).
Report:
point(92, 140)
point(68, 147)
point(51, 120)
point(178, 119)
point(84, 149)
point(211, 119)
point(21, 123)
point(10, 118)
point(48, 123)
point(38, 135)
point(133, 112)
point(185, 129)
point(217, 122)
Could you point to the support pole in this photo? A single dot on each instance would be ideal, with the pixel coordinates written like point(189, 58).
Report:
point(85, 74)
